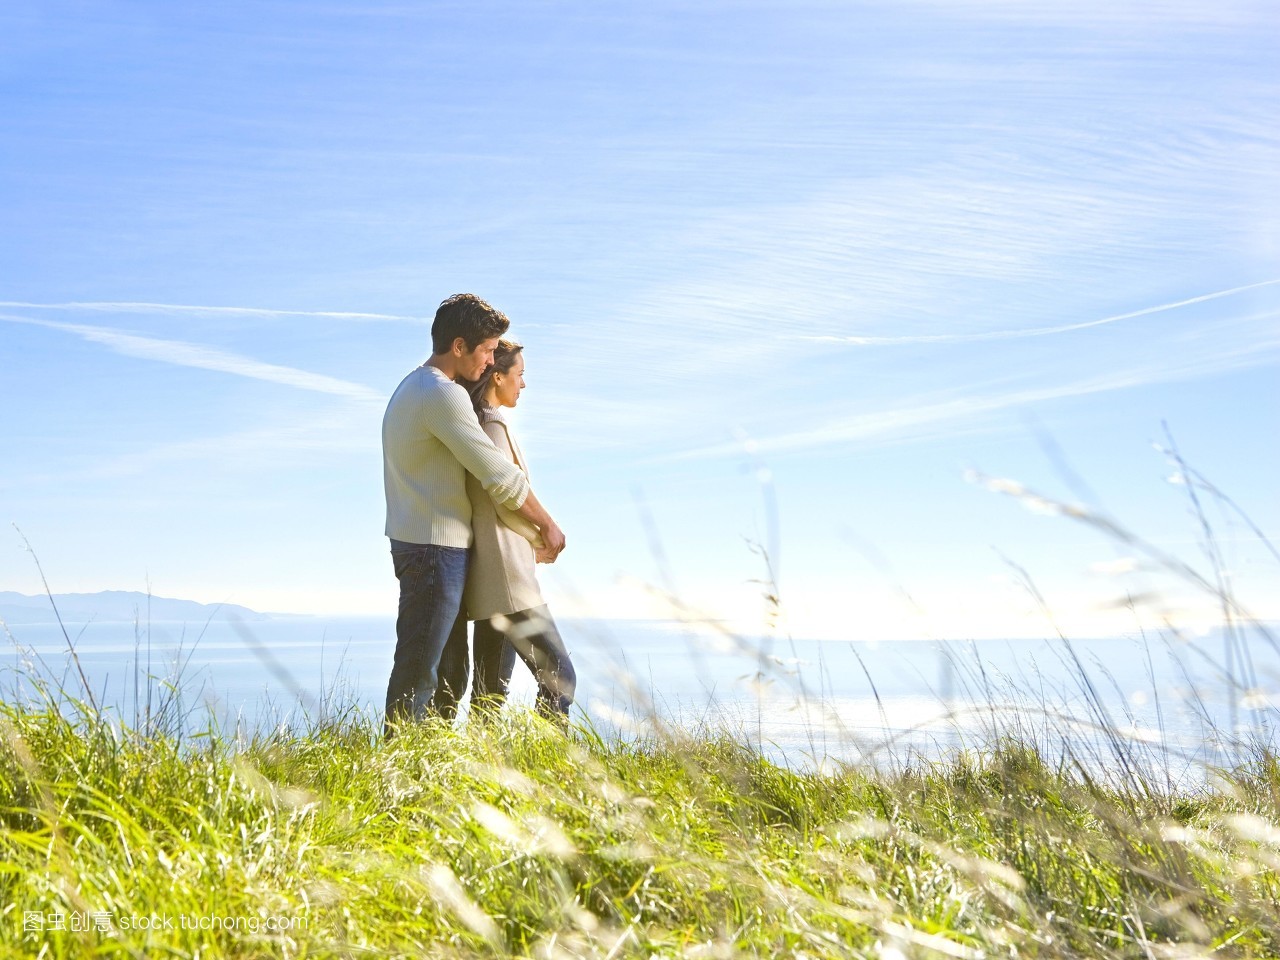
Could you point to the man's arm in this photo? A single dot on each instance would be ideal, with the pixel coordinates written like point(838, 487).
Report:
point(552, 535)
point(453, 421)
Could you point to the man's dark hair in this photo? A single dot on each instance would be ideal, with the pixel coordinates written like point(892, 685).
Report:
point(467, 316)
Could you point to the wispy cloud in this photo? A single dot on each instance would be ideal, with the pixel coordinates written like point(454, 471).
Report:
point(1166, 14)
point(347, 434)
point(128, 306)
point(1034, 331)
point(324, 438)
point(180, 353)
point(908, 422)
point(984, 239)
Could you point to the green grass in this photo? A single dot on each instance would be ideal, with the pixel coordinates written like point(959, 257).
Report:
point(516, 839)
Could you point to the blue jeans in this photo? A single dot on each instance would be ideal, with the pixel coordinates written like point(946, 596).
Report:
point(431, 581)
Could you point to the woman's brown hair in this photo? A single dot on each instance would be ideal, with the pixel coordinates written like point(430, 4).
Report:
point(504, 358)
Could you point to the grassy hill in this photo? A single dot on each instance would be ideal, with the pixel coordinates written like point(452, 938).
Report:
point(514, 839)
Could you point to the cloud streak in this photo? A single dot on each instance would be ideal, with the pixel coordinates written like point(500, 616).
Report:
point(1034, 331)
point(126, 306)
point(903, 422)
point(183, 354)
point(249, 450)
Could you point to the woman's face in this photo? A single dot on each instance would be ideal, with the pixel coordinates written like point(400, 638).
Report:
point(507, 386)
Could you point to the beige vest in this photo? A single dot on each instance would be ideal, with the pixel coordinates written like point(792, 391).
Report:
point(501, 578)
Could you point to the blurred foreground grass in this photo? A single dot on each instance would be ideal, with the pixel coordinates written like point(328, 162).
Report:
point(515, 839)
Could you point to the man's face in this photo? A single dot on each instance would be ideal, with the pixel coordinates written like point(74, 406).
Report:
point(472, 364)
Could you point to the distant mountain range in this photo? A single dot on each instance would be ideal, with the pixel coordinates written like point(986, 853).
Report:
point(116, 605)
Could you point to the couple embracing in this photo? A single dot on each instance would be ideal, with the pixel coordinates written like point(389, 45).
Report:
point(466, 529)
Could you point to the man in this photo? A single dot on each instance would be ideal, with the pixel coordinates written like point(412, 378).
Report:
point(431, 439)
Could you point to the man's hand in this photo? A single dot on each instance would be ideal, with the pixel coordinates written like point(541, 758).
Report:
point(552, 542)
point(552, 535)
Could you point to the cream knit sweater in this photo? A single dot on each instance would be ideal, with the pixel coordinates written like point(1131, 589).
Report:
point(430, 441)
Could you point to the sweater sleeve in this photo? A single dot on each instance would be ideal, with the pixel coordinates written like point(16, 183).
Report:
point(454, 422)
point(496, 431)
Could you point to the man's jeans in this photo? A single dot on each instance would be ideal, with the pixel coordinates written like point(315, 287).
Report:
point(431, 581)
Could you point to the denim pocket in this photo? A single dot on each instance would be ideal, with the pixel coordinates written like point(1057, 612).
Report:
point(415, 569)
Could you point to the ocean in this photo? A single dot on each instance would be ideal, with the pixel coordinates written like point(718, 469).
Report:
point(1180, 707)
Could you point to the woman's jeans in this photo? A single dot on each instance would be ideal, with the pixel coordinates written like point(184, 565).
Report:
point(431, 581)
point(533, 637)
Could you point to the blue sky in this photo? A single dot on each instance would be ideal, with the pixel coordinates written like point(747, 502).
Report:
point(783, 273)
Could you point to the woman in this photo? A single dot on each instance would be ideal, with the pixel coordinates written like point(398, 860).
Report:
point(502, 594)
